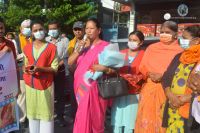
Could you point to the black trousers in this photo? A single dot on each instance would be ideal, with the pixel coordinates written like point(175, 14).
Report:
point(59, 84)
point(70, 81)
point(194, 128)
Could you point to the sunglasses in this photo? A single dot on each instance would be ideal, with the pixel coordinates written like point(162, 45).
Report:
point(79, 29)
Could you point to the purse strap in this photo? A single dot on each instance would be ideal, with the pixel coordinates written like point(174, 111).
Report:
point(106, 76)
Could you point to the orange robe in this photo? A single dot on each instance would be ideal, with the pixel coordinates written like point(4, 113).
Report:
point(156, 59)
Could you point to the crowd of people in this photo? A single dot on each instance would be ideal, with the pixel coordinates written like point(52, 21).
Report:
point(166, 101)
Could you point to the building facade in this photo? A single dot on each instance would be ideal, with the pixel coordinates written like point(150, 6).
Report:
point(148, 15)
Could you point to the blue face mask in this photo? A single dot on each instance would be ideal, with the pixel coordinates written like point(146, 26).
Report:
point(39, 35)
point(53, 33)
point(26, 32)
point(184, 43)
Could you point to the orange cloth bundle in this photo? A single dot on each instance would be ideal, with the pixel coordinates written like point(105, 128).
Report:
point(191, 55)
point(135, 82)
point(185, 109)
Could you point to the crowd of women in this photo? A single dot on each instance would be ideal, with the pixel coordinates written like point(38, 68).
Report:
point(168, 99)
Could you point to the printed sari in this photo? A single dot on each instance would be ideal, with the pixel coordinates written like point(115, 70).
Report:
point(91, 107)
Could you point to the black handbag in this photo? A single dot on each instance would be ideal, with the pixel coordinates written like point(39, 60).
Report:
point(111, 87)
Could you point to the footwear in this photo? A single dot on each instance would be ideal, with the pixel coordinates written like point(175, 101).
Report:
point(68, 119)
point(24, 124)
point(60, 122)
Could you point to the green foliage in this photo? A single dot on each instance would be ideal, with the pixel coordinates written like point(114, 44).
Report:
point(66, 12)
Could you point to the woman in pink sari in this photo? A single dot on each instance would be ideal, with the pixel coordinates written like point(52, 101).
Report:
point(91, 107)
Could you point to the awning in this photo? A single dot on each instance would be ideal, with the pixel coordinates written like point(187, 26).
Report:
point(128, 2)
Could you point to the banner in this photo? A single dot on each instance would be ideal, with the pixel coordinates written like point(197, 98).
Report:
point(9, 120)
point(147, 29)
point(125, 8)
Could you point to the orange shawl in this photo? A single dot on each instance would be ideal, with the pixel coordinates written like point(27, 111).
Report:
point(156, 59)
point(71, 46)
point(191, 55)
point(23, 41)
point(158, 56)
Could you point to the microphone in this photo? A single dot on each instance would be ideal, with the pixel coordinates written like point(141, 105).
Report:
point(84, 39)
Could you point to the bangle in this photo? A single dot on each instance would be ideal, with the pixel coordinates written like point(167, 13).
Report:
point(109, 71)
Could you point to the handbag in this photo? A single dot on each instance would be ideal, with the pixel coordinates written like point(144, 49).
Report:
point(111, 87)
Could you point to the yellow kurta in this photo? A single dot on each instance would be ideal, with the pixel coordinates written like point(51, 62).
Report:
point(40, 103)
point(175, 121)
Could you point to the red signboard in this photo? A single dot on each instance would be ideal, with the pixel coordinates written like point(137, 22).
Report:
point(154, 29)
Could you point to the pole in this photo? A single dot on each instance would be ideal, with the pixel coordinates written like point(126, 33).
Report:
point(132, 21)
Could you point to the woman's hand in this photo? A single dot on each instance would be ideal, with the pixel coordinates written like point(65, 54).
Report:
point(194, 82)
point(155, 77)
point(82, 45)
point(31, 69)
point(100, 68)
point(185, 98)
point(174, 100)
point(6, 49)
point(34, 70)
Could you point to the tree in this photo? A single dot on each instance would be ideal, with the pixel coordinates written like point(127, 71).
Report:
point(64, 11)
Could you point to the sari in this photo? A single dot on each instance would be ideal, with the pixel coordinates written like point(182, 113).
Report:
point(156, 59)
point(91, 110)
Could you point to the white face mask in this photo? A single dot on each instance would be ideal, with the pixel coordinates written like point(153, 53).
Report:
point(133, 45)
point(53, 33)
point(39, 35)
point(165, 37)
point(184, 43)
point(26, 32)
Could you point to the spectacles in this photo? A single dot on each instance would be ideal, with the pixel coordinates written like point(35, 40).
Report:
point(79, 29)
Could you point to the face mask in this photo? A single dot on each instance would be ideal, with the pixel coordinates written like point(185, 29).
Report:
point(26, 32)
point(184, 43)
point(39, 35)
point(133, 45)
point(53, 33)
point(165, 38)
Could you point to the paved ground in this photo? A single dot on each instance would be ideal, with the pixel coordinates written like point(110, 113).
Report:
point(69, 125)
point(68, 128)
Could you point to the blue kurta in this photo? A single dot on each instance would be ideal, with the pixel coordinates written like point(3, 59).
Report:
point(124, 110)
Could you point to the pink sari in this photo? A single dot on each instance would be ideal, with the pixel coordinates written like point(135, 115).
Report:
point(91, 107)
